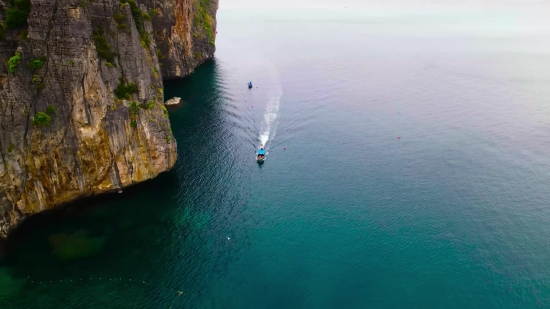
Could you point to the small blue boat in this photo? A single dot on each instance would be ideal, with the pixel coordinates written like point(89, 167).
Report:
point(260, 156)
point(249, 85)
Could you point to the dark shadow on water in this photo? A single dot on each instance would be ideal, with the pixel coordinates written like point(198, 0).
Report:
point(69, 211)
point(195, 87)
point(86, 223)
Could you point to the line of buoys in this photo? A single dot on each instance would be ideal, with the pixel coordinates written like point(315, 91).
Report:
point(177, 292)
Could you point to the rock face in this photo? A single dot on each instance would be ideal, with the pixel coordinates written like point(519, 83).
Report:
point(81, 95)
point(185, 31)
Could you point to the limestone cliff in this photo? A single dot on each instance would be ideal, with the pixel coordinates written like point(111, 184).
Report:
point(81, 97)
point(185, 31)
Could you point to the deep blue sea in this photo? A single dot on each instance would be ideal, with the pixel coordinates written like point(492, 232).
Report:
point(408, 166)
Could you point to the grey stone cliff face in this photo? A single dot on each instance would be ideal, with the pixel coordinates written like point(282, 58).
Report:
point(64, 134)
point(185, 33)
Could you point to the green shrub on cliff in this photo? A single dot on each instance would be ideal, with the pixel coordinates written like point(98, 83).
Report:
point(41, 119)
point(144, 39)
point(124, 90)
point(17, 14)
point(50, 110)
point(24, 34)
point(103, 48)
point(150, 104)
point(165, 111)
point(208, 29)
point(160, 55)
point(37, 64)
point(15, 17)
point(139, 16)
point(119, 18)
point(145, 16)
point(136, 13)
point(203, 18)
point(120, 21)
point(3, 31)
point(153, 12)
point(133, 109)
point(14, 62)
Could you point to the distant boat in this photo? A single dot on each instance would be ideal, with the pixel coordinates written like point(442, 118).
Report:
point(260, 155)
point(249, 85)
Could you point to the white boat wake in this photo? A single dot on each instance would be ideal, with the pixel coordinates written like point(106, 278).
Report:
point(269, 123)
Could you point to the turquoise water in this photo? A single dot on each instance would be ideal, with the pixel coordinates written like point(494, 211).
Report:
point(407, 167)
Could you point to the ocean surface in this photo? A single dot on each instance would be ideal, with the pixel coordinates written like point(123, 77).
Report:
point(408, 166)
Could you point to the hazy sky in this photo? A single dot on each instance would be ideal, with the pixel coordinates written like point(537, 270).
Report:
point(386, 4)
